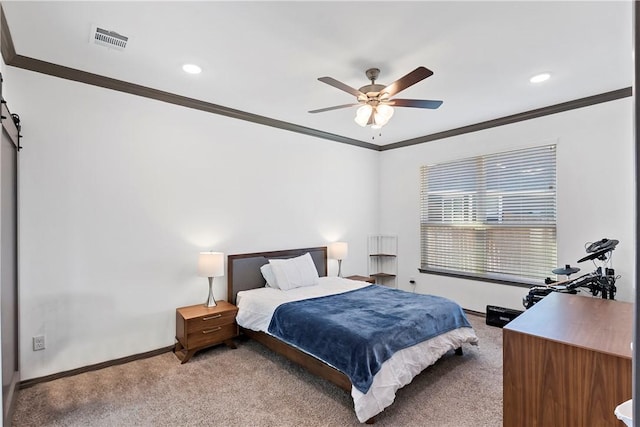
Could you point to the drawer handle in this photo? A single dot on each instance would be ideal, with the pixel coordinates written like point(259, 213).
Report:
point(212, 330)
point(211, 317)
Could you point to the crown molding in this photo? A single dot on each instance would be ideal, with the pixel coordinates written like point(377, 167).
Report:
point(6, 42)
point(514, 118)
point(80, 76)
point(14, 59)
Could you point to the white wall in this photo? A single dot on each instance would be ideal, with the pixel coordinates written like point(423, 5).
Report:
point(118, 194)
point(595, 196)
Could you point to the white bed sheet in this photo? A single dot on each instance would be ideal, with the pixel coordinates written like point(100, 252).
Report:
point(256, 307)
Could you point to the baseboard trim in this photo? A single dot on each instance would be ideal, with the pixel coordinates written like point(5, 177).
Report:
point(475, 313)
point(33, 381)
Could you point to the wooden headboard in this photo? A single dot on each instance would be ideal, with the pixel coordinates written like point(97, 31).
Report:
point(243, 270)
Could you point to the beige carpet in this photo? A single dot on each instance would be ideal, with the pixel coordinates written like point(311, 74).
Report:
point(252, 386)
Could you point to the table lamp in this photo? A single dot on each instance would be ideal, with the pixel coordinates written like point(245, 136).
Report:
point(210, 265)
point(339, 251)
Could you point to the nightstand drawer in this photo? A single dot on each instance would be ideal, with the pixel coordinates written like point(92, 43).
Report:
point(212, 334)
point(210, 321)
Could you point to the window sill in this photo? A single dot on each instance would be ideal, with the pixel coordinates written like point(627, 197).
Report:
point(477, 278)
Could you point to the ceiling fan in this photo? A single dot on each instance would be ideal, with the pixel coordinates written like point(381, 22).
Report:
point(375, 99)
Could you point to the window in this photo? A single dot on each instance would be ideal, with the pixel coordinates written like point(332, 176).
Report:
point(491, 217)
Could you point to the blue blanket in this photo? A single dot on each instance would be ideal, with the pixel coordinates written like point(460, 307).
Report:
point(357, 331)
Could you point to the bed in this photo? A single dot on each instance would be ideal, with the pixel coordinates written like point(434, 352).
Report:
point(261, 308)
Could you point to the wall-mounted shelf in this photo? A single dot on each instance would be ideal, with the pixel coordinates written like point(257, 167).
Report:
point(383, 259)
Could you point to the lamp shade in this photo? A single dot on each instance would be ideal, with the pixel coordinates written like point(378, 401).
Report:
point(338, 250)
point(211, 264)
point(382, 114)
point(363, 114)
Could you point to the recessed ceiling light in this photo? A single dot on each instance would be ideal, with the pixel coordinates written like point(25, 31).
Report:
point(539, 78)
point(191, 69)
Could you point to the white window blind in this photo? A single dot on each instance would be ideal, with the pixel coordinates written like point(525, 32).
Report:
point(491, 216)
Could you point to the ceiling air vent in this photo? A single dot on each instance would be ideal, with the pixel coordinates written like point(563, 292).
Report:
point(108, 38)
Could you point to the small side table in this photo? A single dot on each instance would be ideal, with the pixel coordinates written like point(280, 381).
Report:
point(368, 279)
point(199, 326)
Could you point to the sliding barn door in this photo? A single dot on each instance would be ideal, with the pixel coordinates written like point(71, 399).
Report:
point(9, 262)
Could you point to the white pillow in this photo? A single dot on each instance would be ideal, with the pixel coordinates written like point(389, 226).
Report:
point(267, 273)
point(294, 272)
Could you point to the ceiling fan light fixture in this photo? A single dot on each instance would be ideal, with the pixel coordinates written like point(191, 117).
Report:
point(381, 115)
point(375, 99)
point(362, 115)
point(379, 121)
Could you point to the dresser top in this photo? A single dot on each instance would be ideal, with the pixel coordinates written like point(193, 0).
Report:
point(593, 323)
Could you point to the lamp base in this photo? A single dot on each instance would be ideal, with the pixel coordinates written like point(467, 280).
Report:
point(339, 268)
point(211, 301)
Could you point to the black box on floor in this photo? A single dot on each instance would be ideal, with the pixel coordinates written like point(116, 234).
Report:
point(500, 316)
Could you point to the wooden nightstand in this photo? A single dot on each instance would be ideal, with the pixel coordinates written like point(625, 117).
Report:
point(198, 326)
point(362, 278)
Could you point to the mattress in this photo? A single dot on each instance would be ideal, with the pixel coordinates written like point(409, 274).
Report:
point(256, 307)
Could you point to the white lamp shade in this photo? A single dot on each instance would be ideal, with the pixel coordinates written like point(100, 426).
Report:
point(362, 115)
point(382, 115)
point(338, 250)
point(211, 264)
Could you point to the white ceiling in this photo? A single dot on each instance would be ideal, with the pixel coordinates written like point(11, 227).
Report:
point(265, 57)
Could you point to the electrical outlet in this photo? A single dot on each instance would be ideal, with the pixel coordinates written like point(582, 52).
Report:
point(38, 343)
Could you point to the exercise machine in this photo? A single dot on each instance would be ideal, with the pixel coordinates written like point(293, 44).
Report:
point(602, 281)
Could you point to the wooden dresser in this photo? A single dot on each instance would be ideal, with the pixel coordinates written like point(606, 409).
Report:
point(567, 362)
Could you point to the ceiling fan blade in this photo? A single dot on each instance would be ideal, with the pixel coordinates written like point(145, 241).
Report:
point(415, 103)
point(410, 79)
point(335, 83)
point(337, 107)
